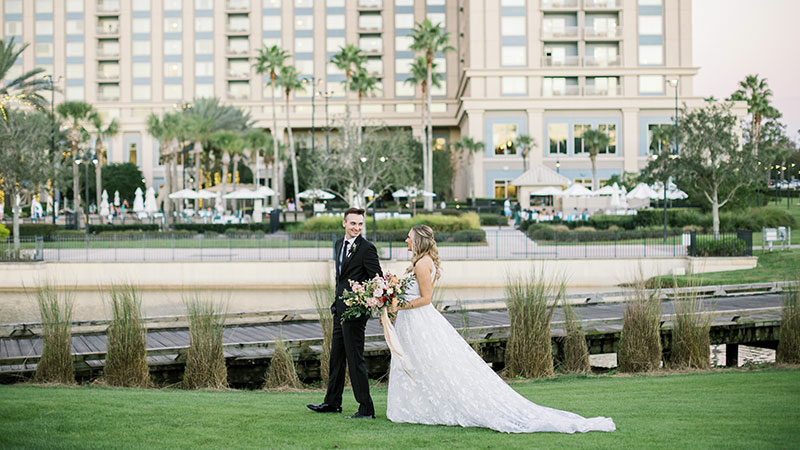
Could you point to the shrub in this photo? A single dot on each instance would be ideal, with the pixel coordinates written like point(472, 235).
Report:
point(640, 341)
point(721, 247)
point(123, 227)
point(576, 352)
point(584, 229)
point(493, 219)
point(37, 229)
point(281, 372)
point(323, 296)
point(4, 232)
point(126, 356)
point(530, 302)
point(438, 223)
point(691, 346)
point(789, 340)
point(55, 308)
point(604, 222)
point(205, 360)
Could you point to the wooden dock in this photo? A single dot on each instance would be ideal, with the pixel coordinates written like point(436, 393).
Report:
point(737, 319)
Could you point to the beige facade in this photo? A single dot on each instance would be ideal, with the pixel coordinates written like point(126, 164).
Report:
point(546, 68)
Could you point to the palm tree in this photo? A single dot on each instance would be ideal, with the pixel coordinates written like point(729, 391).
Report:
point(101, 132)
point(80, 114)
point(469, 146)
point(593, 141)
point(269, 62)
point(525, 143)
point(229, 143)
point(364, 84)
point(429, 39)
point(25, 88)
point(350, 59)
point(757, 94)
point(419, 75)
point(289, 81)
point(255, 143)
point(167, 131)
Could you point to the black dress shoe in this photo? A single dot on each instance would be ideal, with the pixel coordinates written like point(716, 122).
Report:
point(358, 415)
point(324, 408)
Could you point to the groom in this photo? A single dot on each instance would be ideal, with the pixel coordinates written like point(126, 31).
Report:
point(356, 259)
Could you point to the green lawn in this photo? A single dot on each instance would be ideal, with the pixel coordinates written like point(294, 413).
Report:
point(778, 265)
point(794, 210)
point(725, 408)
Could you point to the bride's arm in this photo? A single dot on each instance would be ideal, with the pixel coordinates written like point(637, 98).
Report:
point(422, 270)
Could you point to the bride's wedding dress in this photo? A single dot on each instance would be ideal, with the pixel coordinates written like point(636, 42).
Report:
point(441, 380)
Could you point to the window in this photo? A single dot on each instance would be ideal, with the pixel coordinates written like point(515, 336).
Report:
point(74, 92)
point(74, 26)
point(44, 27)
point(44, 6)
point(303, 3)
point(404, 2)
point(404, 21)
point(142, 70)
point(403, 89)
point(108, 92)
point(557, 137)
point(209, 4)
point(204, 47)
point(512, 3)
point(611, 131)
point(44, 50)
point(403, 43)
point(440, 91)
point(651, 55)
point(272, 3)
point(504, 188)
point(335, 3)
point(656, 142)
point(334, 44)
point(404, 107)
point(512, 55)
point(239, 45)
point(651, 84)
point(14, 28)
point(203, 24)
point(108, 70)
point(173, 25)
point(577, 137)
point(173, 47)
point(303, 45)
point(238, 68)
point(270, 42)
point(74, 48)
point(138, 5)
point(141, 25)
point(173, 91)
point(204, 90)
point(271, 23)
point(436, 18)
point(204, 69)
point(238, 89)
point(172, 4)
point(374, 65)
point(371, 44)
point(239, 23)
point(305, 66)
point(650, 25)
point(141, 92)
point(13, 7)
point(174, 69)
point(335, 22)
point(553, 86)
point(370, 22)
point(74, 71)
point(512, 25)
point(503, 137)
point(403, 65)
point(141, 48)
point(513, 86)
point(649, 2)
point(132, 153)
point(303, 22)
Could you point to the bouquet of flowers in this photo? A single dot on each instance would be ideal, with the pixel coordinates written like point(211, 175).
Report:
point(373, 295)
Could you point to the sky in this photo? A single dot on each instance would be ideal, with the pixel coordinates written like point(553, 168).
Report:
point(734, 38)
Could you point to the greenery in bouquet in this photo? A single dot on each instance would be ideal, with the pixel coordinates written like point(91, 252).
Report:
point(369, 297)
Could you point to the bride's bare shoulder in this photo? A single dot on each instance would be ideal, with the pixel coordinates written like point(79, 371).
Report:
point(425, 264)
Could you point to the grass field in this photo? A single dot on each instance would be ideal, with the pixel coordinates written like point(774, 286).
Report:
point(723, 409)
point(794, 210)
point(777, 265)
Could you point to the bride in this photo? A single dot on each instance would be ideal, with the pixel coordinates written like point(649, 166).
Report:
point(439, 379)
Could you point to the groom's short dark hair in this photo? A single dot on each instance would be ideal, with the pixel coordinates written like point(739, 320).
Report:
point(357, 211)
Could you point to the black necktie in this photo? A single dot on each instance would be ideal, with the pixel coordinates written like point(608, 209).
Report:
point(344, 252)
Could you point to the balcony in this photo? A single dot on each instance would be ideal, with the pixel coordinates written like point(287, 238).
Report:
point(237, 75)
point(559, 4)
point(604, 91)
point(603, 33)
point(237, 52)
point(105, 7)
point(595, 5)
point(237, 30)
point(108, 29)
point(571, 90)
point(107, 76)
point(238, 95)
point(237, 5)
point(602, 61)
point(569, 33)
point(561, 61)
point(370, 4)
point(108, 53)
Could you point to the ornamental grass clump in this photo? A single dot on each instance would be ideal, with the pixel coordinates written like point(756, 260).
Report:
point(576, 352)
point(323, 294)
point(640, 341)
point(691, 341)
point(466, 331)
point(282, 373)
point(205, 361)
point(531, 301)
point(126, 356)
point(55, 308)
point(789, 340)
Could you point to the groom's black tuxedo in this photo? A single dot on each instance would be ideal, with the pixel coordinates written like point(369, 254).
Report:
point(359, 263)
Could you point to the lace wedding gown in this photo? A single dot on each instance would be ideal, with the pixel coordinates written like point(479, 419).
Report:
point(441, 380)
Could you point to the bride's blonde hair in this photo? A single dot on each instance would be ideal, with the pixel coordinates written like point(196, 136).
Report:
point(423, 243)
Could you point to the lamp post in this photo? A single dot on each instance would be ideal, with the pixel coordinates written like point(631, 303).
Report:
point(558, 167)
point(85, 160)
point(327, 95)
point(57, 199)
point(184, 107)
point(674, 83)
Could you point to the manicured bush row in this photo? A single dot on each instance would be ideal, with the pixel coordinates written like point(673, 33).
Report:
point(474, 235)
point(149, 227)
point(439, 223)
point(493, 219)
point(542, 234)
point(721, 247)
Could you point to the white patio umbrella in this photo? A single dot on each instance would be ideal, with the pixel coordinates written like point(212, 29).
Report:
point(577, 190)
point(183, 194)
point(205, 195)
point(400, 193)
point(264, 191)
point(116, 198)
point(615, 202)
point(316, 193)
point(104, 211)
point(549, 190)
point(676, 194)
point(369, 193)
point(642, 191)
point(150, 205)
point(138, 201)
point(605, 191)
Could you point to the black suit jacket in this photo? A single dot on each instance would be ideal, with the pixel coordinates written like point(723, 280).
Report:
point(359, 265)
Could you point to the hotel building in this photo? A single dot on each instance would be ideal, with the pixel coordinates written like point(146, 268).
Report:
point(550, 69)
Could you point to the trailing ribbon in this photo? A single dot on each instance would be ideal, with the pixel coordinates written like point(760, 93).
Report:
point(398, 355)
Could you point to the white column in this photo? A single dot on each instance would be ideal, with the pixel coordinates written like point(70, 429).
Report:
point(630, 133)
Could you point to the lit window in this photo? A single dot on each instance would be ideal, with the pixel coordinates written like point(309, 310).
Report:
point(577, 137)
point(173, 69)
point(503, 137)
point(557, 137)
point(132, 153)
point(303, 22)
point(303, 45)
point(172, 25)
point(504, 189)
